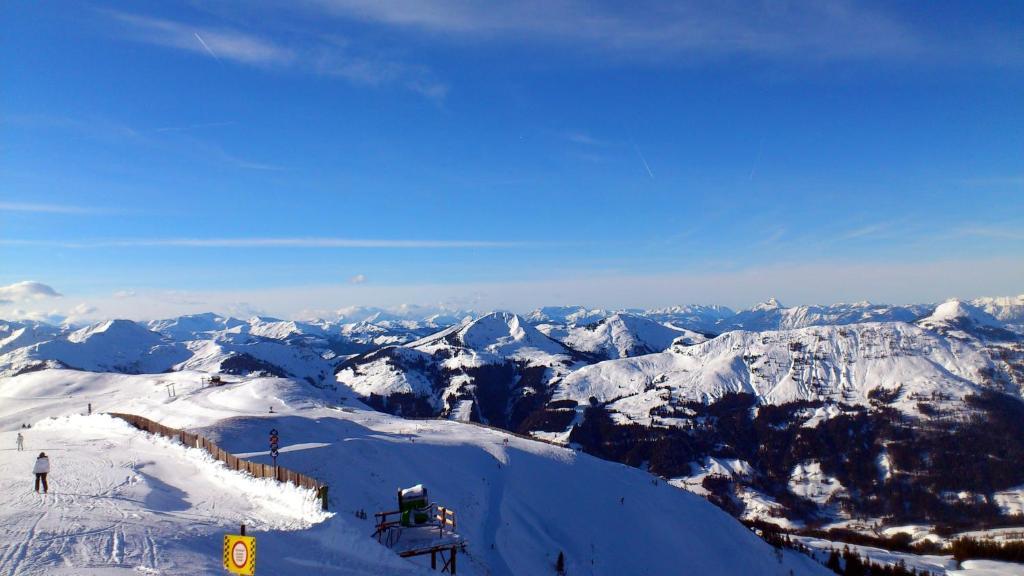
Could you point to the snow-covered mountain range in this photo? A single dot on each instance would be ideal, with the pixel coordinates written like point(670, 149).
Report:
point(490, 370)
point(673, 385)
point(956, 351)
point(940, 370)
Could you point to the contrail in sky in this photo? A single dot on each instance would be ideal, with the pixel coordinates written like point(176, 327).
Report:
point(644, 160)
point(206, 46)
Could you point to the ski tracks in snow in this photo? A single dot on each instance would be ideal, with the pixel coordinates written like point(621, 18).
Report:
point(493, 523)
point(116, 492)
point(80, 522)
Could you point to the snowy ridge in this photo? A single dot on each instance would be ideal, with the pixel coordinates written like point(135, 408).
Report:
point(1007, 309)
point(502, 334)
point(624, 335)
point(436, 316)
point(962, 321)
point(393, 370)
point(14, 335)
point(828, 363)
point(572, 315)
point(772, 315)
point(704, 319)
point(194, 326)
point(114, 345)
point(242, 354)
point(473, 370)
point(957, 311)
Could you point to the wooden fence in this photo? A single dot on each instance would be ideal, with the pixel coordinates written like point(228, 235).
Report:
point(257, 469)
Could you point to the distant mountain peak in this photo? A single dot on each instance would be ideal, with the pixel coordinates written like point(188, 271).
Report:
point(771, 304)
point(499, 330)
point(118, 328)
point(953, 311)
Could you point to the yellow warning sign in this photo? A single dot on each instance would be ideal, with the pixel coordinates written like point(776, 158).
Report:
point(240, 554)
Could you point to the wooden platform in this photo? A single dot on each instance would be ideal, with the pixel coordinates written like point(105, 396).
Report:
point(436, 538)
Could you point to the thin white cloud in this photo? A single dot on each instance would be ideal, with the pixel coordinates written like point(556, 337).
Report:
point(994, 181)
point(317, 55)
point(26, 291)
point(104, 130)
point(357, 279)
point(47, 208)
point(268, 243)
point(215, 152)
point(776, 235)
point(82, 309)
point(45, 316)
point(243, 310)
point(996, 232)
point(228, 44)
point(583, 138)
point(870, 230)
point(190, 127)
point(803, 29)
point(335, 60)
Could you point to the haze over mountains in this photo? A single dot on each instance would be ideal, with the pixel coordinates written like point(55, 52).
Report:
point(569, 337)
point(604, 334)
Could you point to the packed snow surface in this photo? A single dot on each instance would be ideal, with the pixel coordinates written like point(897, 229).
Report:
point(131, 501)
point(125, 502)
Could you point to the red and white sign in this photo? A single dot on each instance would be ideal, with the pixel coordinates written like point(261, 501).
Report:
point(240, 555)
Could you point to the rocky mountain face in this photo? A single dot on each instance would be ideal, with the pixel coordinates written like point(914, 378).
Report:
point(497, 369)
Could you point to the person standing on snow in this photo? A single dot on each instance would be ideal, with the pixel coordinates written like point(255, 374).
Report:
point(41, 469)
point(21, 442)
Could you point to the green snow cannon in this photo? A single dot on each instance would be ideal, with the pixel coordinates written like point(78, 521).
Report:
point(412, 503)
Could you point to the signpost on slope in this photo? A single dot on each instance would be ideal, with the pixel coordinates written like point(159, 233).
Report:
point(273, 445)
point(240, 554)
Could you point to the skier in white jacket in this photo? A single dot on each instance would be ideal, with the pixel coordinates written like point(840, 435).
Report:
point(41, 469)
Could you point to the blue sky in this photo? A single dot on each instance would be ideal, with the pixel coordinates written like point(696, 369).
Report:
point(289, 157)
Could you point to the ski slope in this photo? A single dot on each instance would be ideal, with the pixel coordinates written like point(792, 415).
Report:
point(124, 502)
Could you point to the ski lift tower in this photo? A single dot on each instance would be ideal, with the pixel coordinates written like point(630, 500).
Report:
point(420, 527)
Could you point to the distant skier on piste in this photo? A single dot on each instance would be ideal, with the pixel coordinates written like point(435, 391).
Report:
point(21, 442)
point(41, 469)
